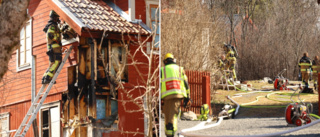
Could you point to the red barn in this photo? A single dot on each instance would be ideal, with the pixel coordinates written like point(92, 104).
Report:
point(85, 95)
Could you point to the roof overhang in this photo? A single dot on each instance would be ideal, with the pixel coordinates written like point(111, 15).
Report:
point(66, 15)
point(82, 28)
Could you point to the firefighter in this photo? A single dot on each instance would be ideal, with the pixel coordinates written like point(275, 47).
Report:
point(231, 62)
point(54, 46)
point(315, 70)
point(222, 63)
point(204, 112)
point(174, 89)
point(305, 68)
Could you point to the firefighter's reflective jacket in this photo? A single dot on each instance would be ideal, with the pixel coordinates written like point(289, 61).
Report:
point(173, 81)
point(305, 64)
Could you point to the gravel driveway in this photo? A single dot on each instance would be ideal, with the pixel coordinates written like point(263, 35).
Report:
point(249, 125)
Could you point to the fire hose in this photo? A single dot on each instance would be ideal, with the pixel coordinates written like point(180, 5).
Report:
point(203, 125)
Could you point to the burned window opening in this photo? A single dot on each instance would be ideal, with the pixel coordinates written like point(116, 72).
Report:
point(50, 122)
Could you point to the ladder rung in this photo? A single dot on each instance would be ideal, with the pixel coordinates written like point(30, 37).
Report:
point(31, 114)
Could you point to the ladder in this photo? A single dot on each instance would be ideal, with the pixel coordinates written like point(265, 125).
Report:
point(35, 106)
point(227, 80)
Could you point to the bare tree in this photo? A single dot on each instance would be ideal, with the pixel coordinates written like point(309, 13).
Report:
point(191, 30)
point(273, 36)
point(13, 14)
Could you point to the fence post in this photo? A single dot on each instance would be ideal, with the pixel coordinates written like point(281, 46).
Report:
point(318, 92)
point(206, 90)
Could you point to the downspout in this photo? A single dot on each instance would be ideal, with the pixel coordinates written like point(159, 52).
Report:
point(33, 93)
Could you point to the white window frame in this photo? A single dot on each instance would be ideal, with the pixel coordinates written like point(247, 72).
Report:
point(5, 115)
point(26, 65)
point(148, 3)
point(46, 106)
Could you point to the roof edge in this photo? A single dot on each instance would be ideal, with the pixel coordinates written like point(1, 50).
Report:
point(118, 10)
point(66, 11)
point(139, 22)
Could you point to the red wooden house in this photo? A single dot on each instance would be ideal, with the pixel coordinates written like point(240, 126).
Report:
point(80, 103)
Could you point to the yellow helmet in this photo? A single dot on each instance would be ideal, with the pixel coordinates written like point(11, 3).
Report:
point(168, 55)
point(53, 14)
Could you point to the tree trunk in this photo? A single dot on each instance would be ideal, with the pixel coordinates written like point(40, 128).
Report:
point(13, 15)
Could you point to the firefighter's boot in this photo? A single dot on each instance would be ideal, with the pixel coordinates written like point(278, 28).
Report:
point(169, 130)
point(46, 79)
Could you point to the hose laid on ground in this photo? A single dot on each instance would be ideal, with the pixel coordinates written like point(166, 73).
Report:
point(203, 126)
point(260, 135)
point(238, 106)
point(314, 115)
point(235, 86)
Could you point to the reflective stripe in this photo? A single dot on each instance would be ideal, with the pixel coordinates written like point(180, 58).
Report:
point(302, 70)
point(169, 132)
point(305, 64)
point(231, 110)
point(175, 122)
point(164, 71)
point(55, 46)
point(172, 78)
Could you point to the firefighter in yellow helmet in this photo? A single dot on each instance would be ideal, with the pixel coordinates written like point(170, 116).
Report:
point(174, 88)
point(305, 68)
point(231, 58)
point(315, 70)
point(54, 46)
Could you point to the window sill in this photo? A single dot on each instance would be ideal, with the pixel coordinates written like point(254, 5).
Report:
point(23, 67)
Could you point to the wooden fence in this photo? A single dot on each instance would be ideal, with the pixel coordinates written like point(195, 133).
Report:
point(199, 84)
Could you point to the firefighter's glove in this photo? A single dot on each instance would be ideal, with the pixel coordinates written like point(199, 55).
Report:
point(65, 36)
point(65, 27)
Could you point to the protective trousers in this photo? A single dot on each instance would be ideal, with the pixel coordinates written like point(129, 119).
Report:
point(231, 66)
point(305, 78)
point(171, 111)
point(55, 58)
point(315, 78)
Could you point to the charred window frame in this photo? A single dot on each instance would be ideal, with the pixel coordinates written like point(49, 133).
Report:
point(118, 59)
point(49, 122)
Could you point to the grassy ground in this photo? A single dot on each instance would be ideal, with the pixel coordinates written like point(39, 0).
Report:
point(266, 99)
